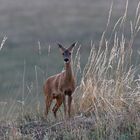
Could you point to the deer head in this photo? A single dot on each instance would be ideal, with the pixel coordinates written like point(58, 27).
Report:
point(66, 52)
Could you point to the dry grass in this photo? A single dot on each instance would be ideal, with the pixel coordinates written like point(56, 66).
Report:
point(110, 86)
point(107, 98)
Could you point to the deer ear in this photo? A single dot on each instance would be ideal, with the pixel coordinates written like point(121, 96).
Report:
point(61, 47)
point(72, 46)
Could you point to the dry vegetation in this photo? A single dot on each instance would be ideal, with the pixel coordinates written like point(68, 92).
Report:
point(106, 103)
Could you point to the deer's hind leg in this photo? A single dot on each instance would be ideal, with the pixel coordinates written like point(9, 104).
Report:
point(59, 101)
point(48, 102)
point(48, 98)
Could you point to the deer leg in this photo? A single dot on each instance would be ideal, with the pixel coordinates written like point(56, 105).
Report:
point(59, 101)
point(69, 104)
point(64, 103)
point(48, 104)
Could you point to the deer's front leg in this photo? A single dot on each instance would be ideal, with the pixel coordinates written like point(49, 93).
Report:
point(64, 103)
point(69, 105)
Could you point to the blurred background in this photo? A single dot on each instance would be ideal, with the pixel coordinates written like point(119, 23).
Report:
point(33, 28)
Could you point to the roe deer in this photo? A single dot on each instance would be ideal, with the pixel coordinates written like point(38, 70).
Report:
point(60, 85)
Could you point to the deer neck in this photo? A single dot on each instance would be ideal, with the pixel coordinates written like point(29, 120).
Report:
point(68, 72)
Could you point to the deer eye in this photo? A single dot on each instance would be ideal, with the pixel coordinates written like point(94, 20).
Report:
point(62, 53)
point(70, 53)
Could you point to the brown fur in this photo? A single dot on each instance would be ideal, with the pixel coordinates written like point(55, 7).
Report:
point(57, 87)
